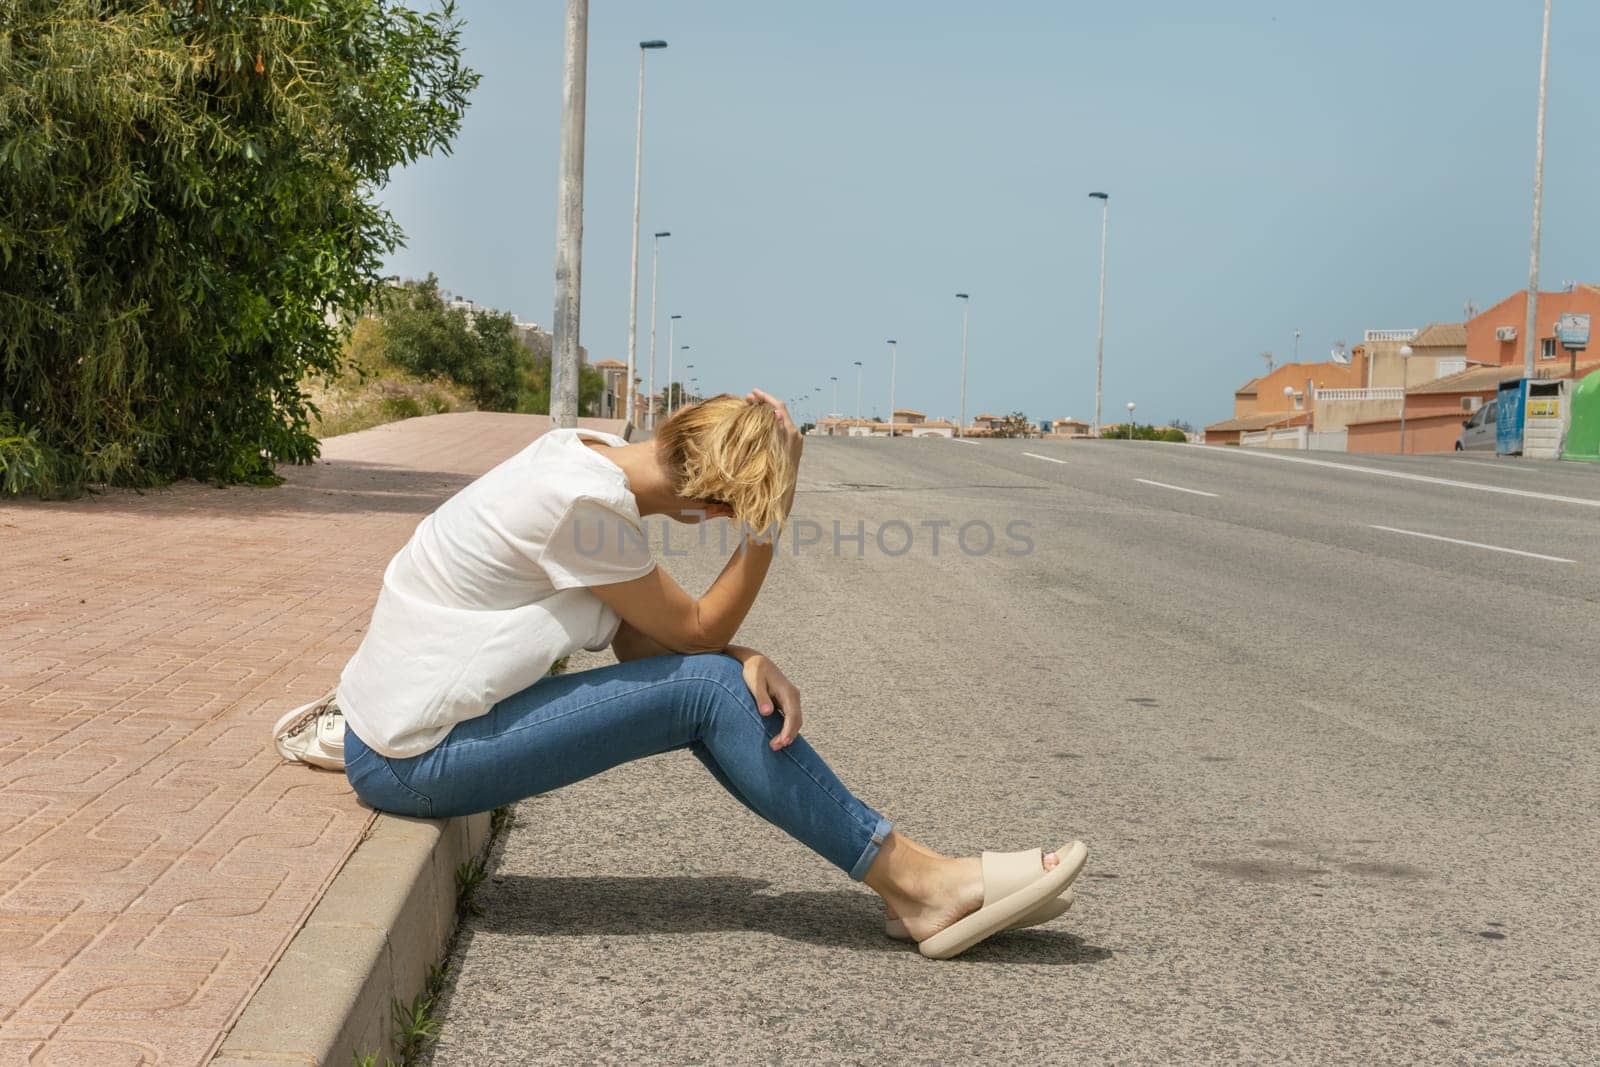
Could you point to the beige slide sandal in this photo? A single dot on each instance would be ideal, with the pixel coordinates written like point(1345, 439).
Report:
point(1050, 909)
point(1007, 903)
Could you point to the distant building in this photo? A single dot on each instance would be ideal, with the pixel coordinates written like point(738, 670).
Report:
point(839, 426)
point(907, 424)
point(1068, 428)
point(1466, 363)
point(614, 396)
point(1285, 398)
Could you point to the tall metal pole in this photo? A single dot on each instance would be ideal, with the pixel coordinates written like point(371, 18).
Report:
point(672, 323)
point(633, 287)
point(835, 382)
point(655, 276)
point(1531, 326)
point(966, 305)
point(1100, 342)
point(858, 390)
point(569, 220)
point(893, 354)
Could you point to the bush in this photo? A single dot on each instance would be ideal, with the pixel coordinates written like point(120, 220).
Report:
point(372, 391)
point(1144, 433)
point(188, 208)
point(424, 337)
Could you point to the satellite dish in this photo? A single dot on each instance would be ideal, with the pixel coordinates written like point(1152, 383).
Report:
point(1340, 354)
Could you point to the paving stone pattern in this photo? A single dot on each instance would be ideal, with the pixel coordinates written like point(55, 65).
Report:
point(155, 855)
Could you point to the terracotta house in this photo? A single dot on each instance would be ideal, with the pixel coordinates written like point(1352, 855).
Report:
point(1490, 352)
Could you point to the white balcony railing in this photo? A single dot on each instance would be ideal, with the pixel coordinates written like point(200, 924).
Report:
point(1360, 394)
point(1390, 335)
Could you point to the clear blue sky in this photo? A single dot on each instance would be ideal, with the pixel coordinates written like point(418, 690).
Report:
point(834, 172)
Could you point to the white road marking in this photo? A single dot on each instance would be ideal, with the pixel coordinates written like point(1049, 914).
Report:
point(1262, 453)
point(1179, 488)
point(1047, 459)
point(1474, 544)
point(962, 441)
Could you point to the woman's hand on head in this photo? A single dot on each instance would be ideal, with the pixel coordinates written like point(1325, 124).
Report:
point(773, 692)
point(792, 437)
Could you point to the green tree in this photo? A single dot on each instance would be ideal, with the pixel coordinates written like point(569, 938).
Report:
point(425, 337)
point(1015, 424)
point(187, 209)
point(534, 386)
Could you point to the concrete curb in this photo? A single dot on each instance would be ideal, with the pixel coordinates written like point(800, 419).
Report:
point(387, 917)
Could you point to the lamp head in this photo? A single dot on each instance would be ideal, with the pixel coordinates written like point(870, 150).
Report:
point(648, 45)
point(962, 296)
point(1100, 196)
point(664, 233)
point(674, 316)
point(1406, 351)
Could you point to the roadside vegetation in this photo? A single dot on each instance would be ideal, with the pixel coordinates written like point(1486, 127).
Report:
point(1144, 433)
point(190, 190)
point(371, 390)
point(417, 355)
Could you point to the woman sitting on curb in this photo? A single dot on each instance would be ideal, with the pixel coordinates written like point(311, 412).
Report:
point(449, 710)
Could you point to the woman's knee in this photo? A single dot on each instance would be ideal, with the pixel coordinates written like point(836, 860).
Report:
point(726, 676)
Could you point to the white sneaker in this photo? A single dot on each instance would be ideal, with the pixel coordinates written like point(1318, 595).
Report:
point(313, 733)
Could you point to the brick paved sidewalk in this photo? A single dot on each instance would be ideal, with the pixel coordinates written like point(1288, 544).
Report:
point(155, 856)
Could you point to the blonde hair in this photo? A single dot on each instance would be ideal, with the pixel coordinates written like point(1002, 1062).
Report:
point(728, 450)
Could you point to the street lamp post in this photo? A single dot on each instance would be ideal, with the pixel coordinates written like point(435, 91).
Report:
point(1100, 341)
point(1531, 325)
point(655, 276)
point(966, 306)
point(569, 220)
point(672, 324)
point(835, 380)
point(675, 397)
point(893, 355)
point(1405, 364)
point(633, 288)
point(858, 390)
point(1130, 420)
point(1297, 346)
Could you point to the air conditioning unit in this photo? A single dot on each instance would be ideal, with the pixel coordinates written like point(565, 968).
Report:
point(1505, 333)
point(1471, 403)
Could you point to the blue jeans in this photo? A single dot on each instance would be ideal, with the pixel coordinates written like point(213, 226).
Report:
point(568, 727)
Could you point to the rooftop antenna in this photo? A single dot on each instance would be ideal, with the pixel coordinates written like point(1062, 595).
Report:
point(1470, 308)
point(1267, 357)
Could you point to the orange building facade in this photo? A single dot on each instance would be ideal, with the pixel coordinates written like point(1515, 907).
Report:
point(1435, 410)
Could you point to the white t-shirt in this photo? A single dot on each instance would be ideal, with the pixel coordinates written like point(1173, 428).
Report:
point(491, 590)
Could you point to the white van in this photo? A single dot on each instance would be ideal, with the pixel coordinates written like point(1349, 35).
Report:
point(1478, 433)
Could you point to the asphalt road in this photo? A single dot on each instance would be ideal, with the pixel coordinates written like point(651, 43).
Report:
point(1338, 779)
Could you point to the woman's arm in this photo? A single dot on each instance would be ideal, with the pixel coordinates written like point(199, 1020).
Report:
point(658, 609)
point(669, 619)
point(631, 644)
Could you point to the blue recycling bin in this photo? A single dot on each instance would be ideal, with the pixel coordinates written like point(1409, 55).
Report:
point(1509, 417)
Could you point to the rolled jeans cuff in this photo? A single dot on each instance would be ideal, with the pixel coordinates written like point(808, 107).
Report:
point(870, 853)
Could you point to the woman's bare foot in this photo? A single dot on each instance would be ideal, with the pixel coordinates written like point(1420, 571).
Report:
point(926, 892)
